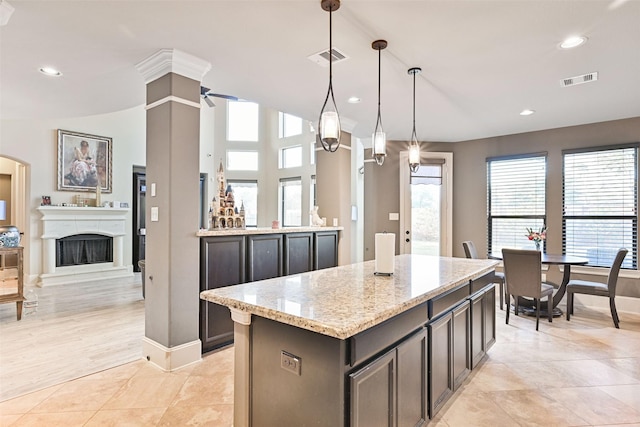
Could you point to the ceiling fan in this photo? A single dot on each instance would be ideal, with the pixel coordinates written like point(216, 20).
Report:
point(206, 94)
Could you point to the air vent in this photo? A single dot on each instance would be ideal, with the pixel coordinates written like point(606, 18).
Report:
point(585, 78)
point(322, 58)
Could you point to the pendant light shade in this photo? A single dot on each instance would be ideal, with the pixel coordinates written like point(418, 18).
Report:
point(329, 121)
point(414, 146)
point(379, 138)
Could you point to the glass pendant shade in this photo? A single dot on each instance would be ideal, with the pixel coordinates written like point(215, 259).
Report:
point(414, 157)
point(329, 121)
point(379, 139)
point(414, 146)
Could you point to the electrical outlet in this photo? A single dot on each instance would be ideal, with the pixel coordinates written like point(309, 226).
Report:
point(291, 363)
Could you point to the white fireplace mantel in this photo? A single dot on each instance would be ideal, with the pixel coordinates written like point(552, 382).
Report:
point(64, 221)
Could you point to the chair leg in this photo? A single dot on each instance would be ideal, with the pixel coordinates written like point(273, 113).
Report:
point(501, 295)
point(614, 312)
point(550, 307)
point(569, 304)
point(508, 297)
point(515, 305)
point(537, 312)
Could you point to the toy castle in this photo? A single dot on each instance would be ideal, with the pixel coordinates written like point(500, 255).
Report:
point(223, 213)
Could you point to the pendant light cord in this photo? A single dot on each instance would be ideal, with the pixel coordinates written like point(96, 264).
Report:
point(379, 79)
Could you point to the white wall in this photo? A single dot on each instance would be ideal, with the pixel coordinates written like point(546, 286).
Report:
point(34, 143)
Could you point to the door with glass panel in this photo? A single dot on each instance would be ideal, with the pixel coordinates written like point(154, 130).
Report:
point(425, 200)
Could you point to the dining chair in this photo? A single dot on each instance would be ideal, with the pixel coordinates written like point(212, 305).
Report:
point(471, 252)
point(522, 270)
point(600, 289)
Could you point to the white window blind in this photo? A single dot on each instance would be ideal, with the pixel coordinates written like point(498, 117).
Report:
point(600, 198)
point(516, 193)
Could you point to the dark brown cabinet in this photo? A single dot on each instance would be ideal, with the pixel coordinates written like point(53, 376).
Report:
point(264, 257)
point(440, 362)
point(222, 263)
point(298, 253)
point(483, 324)
point(326, 249)
point(461, 351)
point(412, 377)
point(373, 391)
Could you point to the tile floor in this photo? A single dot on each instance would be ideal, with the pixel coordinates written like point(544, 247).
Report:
point(577, 373)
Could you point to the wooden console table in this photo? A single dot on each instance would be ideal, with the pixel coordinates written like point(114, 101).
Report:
point(12, 272)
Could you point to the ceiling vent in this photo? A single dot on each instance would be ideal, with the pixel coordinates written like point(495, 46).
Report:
point(322, 58)
point(585, 78)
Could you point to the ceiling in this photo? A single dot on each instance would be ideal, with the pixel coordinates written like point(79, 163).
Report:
point(483, 61)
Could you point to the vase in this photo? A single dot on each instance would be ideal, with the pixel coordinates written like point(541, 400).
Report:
point(9, 236)
point(537, 245)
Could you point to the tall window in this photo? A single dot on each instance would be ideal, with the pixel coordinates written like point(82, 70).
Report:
point(291, 157)
point(246, 193)
point(242, 121)
point(242, 160)
point(288, 125)
point(515, 200)
point(599, 204)
point(291, 202)
point(312, 196)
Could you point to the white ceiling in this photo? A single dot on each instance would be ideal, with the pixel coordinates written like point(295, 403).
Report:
point(483, 61)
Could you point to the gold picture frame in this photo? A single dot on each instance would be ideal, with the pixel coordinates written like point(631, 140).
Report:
point(84, 161)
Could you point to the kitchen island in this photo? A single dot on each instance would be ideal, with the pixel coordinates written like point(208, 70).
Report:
point(342, 347)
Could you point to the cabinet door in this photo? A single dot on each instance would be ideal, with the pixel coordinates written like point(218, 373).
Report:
point(373, 393)
point(326, 243)
point(461, 343)
point(440, 362)
point(489, 302)
point(298, 253)
point(222, 264)
point(412, 377)
point(264, 257)
point(477, 329)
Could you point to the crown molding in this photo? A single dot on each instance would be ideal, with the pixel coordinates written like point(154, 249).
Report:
point(167, 61)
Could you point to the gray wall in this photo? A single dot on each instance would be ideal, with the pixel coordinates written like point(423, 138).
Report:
point(470, 183)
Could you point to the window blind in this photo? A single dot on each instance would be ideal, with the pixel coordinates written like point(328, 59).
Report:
point(516, 196)
point(599, 204)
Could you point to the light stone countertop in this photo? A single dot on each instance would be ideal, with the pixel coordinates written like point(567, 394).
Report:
point(343, 301)
point(264, 230)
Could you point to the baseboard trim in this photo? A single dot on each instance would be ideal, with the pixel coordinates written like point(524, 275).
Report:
point(623, 304)
point(174, 358)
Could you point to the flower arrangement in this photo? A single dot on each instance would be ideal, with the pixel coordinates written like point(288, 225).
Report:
point(537, 235)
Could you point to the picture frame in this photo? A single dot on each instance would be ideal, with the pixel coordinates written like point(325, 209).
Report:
point(84, 161)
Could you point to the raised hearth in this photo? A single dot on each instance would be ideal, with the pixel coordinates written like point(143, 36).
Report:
point(59, 222)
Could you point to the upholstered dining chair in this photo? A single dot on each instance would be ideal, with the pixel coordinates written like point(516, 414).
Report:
point(601, 289)
point(471, 252)
point(522, 271)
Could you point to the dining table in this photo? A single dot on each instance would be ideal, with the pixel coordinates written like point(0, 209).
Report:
point(551, 259)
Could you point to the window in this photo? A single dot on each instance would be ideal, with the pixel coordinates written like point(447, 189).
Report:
point(291, 202)
point(312, 159)
point(515, 200)
point(599, 204)
point(312, 196)
point(242, 121)
point(246, 193)
point(291, 157)
point(242, 160)
point(289, 125)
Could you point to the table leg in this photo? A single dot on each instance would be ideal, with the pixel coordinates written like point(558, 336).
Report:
point(557, 297)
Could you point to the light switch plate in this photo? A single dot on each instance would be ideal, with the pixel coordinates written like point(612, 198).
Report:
point(153, 189)
point(394, 216)
point(154, 213)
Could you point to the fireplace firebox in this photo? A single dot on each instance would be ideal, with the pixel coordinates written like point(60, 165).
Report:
point(81, 249)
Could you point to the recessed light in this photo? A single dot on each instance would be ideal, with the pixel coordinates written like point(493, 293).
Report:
point(527, 112)
point(573, 41)
point(50, 71)
point(354, 100)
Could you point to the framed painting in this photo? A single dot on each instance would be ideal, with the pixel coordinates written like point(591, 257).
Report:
point(84, 162)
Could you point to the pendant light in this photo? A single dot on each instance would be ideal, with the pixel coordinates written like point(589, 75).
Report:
point(379, 138)
point(329, 121)
point(414, 146)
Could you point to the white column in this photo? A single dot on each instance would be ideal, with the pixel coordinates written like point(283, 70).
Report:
point(49, 256)
point(118, 251)
point(242, 371)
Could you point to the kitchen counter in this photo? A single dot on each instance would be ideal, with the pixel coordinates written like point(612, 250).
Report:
point(343, 301)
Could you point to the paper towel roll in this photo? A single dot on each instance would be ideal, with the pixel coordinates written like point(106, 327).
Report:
point(385, 248)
